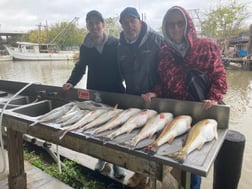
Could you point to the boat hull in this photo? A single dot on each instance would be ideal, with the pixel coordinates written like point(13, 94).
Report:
point(18, 55)
point(6, 58)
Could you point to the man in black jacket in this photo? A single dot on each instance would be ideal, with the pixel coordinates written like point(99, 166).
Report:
point(99, 53)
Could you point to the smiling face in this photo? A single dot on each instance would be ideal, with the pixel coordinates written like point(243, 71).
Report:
point(95, 26)
point(131, 27)
point(175, 26)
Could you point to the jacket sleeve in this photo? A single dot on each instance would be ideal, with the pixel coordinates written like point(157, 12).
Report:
point(79, 69)
point(217, 74)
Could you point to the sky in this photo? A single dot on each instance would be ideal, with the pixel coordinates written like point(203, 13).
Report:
point(25, 15)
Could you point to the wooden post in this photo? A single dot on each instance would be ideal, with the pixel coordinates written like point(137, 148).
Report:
point(228, 164)
point(17, 176)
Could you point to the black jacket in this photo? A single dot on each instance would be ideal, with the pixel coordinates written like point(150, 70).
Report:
point(103, 71)
point(138, 61)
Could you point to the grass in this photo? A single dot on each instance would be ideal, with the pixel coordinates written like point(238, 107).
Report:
point(72, 173)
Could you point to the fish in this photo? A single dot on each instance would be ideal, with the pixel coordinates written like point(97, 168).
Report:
point(75, 117)
point(73, 111)
point(153, 126)
point(92, 115)
point(101, 119)
point(117, 120)
point(91, 105)
point(53, 114)
point(178, 126)
point(132, 123)
point(201, 132)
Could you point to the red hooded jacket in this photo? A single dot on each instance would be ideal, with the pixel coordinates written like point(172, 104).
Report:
point(202, 54)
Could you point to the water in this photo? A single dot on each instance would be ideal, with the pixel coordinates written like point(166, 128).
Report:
point(239, 97)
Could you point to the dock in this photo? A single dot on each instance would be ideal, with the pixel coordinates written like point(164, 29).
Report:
point(36, 178)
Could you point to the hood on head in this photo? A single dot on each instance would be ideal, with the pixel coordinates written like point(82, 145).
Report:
point(189, 33)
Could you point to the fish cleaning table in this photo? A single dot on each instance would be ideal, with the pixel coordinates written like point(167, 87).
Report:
point(18, 120)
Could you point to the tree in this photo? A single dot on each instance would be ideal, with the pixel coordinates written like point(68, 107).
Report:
point(225, 21)
point(112, 27)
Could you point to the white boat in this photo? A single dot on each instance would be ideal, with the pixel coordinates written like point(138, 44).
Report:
point(4, 56)
point(35, 51)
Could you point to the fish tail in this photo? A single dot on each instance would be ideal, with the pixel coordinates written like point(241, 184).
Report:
point(62, 134)
point(179, 156)
point(151, 149)
point(34, 123)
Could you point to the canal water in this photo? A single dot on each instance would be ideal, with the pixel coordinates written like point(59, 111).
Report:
point(239, 97)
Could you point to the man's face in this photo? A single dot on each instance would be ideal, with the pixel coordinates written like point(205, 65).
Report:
point(131, 27)
point(95, 26)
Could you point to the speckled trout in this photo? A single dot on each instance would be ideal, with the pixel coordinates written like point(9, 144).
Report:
point(154, 125)
point(202, 132)
point(53, 114)
point(117, 120)
point(132, 123)
point(101, 119)
point(92, 115)
point(178, 126)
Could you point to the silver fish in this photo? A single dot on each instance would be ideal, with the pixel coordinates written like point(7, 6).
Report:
point(154, 125)
point(118, 120)
point(74, 110)
point(101, 119)
point(178, 126)
point(86, 119)
point(53, 114)
point(132, 123)
point(92, 105)
point(202, 132)
point(75, 117)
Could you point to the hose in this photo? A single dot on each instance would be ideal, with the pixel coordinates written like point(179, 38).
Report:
point(1, 126)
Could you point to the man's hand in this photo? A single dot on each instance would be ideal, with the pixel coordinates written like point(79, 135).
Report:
point(67, 86)
point(148, 96)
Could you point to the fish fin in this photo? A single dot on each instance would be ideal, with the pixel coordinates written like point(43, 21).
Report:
point(34, 123)
point(115, 107)
point(200, 146)
point(63, 134)
point(171, 140)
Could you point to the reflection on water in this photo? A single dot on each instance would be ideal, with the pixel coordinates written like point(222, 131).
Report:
point(239, 97)
point(45, 72)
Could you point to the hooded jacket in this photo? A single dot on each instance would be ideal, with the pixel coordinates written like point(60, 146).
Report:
point(138, 61)
point(201, 54)
point(103, 73)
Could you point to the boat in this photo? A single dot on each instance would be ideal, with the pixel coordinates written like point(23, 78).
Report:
point(4, 56)
point(36, 51)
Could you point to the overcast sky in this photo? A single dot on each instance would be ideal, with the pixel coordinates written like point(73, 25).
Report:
point(24, 15)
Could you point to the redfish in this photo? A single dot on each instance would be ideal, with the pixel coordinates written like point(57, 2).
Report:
point(202, 132)
point(178, 126)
